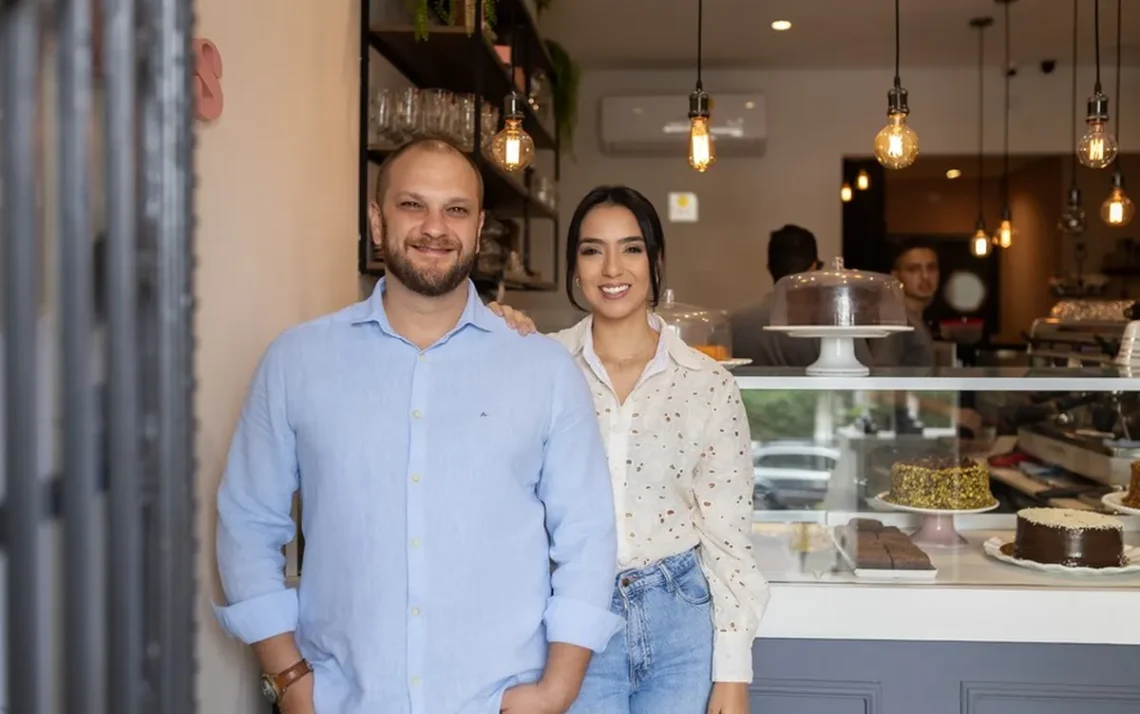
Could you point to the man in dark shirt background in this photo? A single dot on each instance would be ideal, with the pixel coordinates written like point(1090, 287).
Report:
point(915, 265)
point(791, 249)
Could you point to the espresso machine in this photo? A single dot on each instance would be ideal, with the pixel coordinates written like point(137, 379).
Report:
point(1095, 435)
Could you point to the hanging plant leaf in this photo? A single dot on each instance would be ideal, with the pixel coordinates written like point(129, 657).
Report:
point(567, 77)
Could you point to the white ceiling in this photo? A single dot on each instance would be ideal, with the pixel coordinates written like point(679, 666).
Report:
point(828, 33)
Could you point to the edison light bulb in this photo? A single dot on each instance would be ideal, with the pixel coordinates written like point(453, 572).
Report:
point(1118, 209)
point(862, 180)
point(1098, 147)
point(512, 148)
point(980, 243)
point(845, 192)
point(1003, 238)
point(702, 154)
point(896, 145)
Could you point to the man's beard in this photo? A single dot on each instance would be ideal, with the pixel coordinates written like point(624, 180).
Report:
point(426, 282)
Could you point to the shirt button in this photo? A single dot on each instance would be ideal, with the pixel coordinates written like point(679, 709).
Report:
point(415, 681)
point(415, 542)
point(422, 357)
point(415, 612)
point(416, 414)
point(415, 478)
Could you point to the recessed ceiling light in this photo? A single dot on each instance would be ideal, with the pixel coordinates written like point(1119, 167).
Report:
point(953, 174)
point(781, 25)
point(750, 104)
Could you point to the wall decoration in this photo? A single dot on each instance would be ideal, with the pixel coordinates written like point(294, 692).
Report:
point(208, 97)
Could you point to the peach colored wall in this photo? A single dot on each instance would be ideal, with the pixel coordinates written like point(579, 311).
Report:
point(276, 204)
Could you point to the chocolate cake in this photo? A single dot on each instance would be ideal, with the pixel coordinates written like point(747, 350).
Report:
point(830, 305)
point(940, 483)
point(873, 546)
point(1069, 537)
point(1132, 497)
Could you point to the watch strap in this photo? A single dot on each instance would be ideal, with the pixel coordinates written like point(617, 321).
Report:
point(283, 680)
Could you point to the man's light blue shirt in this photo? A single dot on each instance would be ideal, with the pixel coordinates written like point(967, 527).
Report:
point(439, 486)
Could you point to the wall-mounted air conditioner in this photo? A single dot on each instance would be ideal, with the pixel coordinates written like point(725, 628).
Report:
point(658, 125)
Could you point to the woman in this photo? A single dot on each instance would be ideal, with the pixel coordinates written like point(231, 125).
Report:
point(680, 458)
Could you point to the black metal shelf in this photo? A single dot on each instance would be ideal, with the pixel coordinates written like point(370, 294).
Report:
point(506, 195)
point(451, 59)
point(445, 61)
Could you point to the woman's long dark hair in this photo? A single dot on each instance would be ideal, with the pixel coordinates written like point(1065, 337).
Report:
point(647, 221)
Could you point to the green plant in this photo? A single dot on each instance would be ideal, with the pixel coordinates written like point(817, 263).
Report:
point(567, 78)
point(446, 10)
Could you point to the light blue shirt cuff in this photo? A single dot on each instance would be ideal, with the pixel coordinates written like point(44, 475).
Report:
point(261, 617)
point(577, 623)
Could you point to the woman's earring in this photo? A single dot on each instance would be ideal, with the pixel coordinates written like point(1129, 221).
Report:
point(578, 282)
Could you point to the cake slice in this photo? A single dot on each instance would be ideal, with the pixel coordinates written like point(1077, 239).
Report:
point(1132, 497)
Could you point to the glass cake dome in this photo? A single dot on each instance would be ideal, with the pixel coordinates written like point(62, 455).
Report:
point(700, 328)
point(838, 298)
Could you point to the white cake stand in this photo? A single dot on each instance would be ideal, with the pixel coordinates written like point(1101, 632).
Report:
point(1115, 501)
point(837, 345)
point(937, 527)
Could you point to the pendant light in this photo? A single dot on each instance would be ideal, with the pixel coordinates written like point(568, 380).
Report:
point(1072, 221)
point(1097, 147)
point(896, 144)
point(980, 242)
point(1003, 237)
point(863, 180)
point(702, 153)
point(1118, 209)
point(512, 149)
point(845, 194)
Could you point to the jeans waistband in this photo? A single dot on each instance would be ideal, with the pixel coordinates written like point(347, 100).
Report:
point(659, 574)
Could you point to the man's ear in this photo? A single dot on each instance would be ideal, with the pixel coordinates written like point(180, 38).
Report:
point(376, 222)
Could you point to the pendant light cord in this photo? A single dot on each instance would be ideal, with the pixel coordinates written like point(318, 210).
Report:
point(1005, 137)
point(700, 34)
point(898, 82)
point(1073, 111)
point(982, 118)
point(1096, 43)
point(1119, 21)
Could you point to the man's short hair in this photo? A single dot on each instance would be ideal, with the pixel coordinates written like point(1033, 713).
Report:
point(791, 249)
point(906, 245)
point(427, 143)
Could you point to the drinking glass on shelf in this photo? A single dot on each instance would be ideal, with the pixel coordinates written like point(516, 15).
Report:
point(380, 126)
point(405, 114)
point(489, 125)
point(463, 122)
point(435, 111)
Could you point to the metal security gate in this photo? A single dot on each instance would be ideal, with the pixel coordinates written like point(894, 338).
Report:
point(97, 554)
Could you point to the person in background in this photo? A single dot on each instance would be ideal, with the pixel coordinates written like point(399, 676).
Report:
point(791, 249)
point(915, 265)
point(679, 449)
point(445, 465)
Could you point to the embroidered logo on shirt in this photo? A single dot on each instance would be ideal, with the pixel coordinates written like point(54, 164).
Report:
point(482, 414)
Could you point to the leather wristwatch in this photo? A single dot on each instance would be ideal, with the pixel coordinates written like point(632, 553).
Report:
point(273, 686)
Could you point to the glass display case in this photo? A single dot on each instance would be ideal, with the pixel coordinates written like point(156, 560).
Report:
point(702, 329)
point(947, 477)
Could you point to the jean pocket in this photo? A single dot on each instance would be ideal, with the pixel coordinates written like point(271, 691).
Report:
point(692, 587)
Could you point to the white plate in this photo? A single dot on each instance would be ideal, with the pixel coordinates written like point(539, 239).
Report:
point(881, 499)
point(853, 331)
point(1115, 500)
point(734, 362)
point(992, 547)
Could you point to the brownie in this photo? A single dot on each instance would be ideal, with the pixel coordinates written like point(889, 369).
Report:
point(873, 558)
point(908, 557)
point(865, 524)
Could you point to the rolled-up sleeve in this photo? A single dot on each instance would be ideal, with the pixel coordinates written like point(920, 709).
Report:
point(254, 509)
point(575, 489)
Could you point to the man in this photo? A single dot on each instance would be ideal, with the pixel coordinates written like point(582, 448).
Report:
point(434, 449)
point(915, 265)
point(791, 249)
